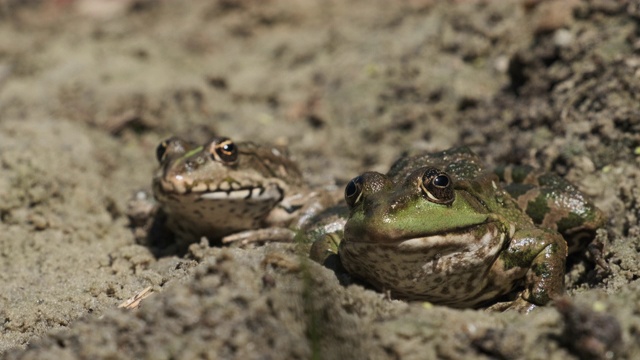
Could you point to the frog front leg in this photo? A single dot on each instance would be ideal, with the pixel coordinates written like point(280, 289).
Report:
point(541, 254)
point(325, 247)
point(290, 217)
point(553, 202)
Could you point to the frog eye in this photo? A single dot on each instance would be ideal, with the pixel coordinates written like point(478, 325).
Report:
point(170, 146)
point(353, 191)
point(437, 187)
point(161, 150)
point(224, 150)
point(441, 181)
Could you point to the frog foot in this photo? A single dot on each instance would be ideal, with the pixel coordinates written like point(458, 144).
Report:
point(596, 250)
point(520, 305)
point(278, 234)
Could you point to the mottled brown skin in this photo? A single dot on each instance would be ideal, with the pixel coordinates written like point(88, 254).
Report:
point(222, 187)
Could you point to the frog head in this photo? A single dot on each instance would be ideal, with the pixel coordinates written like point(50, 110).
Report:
point(222, 186)
point(427, 202)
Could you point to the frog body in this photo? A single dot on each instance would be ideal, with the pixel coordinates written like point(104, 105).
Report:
point(440, 228)
point(222, 187)
point(552, 202)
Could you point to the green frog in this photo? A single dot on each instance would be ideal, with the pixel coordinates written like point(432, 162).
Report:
point(440, 228)
point(230, 190)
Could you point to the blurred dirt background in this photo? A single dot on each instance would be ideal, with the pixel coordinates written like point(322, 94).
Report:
point(89, 87)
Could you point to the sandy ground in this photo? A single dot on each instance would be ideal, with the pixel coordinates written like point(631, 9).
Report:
point(89, 87)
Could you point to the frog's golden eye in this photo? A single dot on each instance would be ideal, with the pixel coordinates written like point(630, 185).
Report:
point(170, 146)
point(437, 186)
point(224, 150)
point(353, 191)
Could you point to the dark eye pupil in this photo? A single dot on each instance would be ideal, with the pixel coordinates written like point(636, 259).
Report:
point(441, 181)
point(223, 149)
point(352, 187)
point(228, 147)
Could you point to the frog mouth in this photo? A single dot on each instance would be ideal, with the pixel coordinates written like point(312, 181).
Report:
point(258, 193)
point(224, 191)
point(442, 243)
point(461, 235)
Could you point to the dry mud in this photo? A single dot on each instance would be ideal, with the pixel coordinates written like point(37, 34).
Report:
point(89, 87)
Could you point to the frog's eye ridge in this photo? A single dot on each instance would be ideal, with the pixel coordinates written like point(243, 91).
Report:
point(353, 190)
point(437, 186)
point(224, 150)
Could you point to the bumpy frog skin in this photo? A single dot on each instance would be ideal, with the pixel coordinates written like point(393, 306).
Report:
point(439, 228)
point(223, 187)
